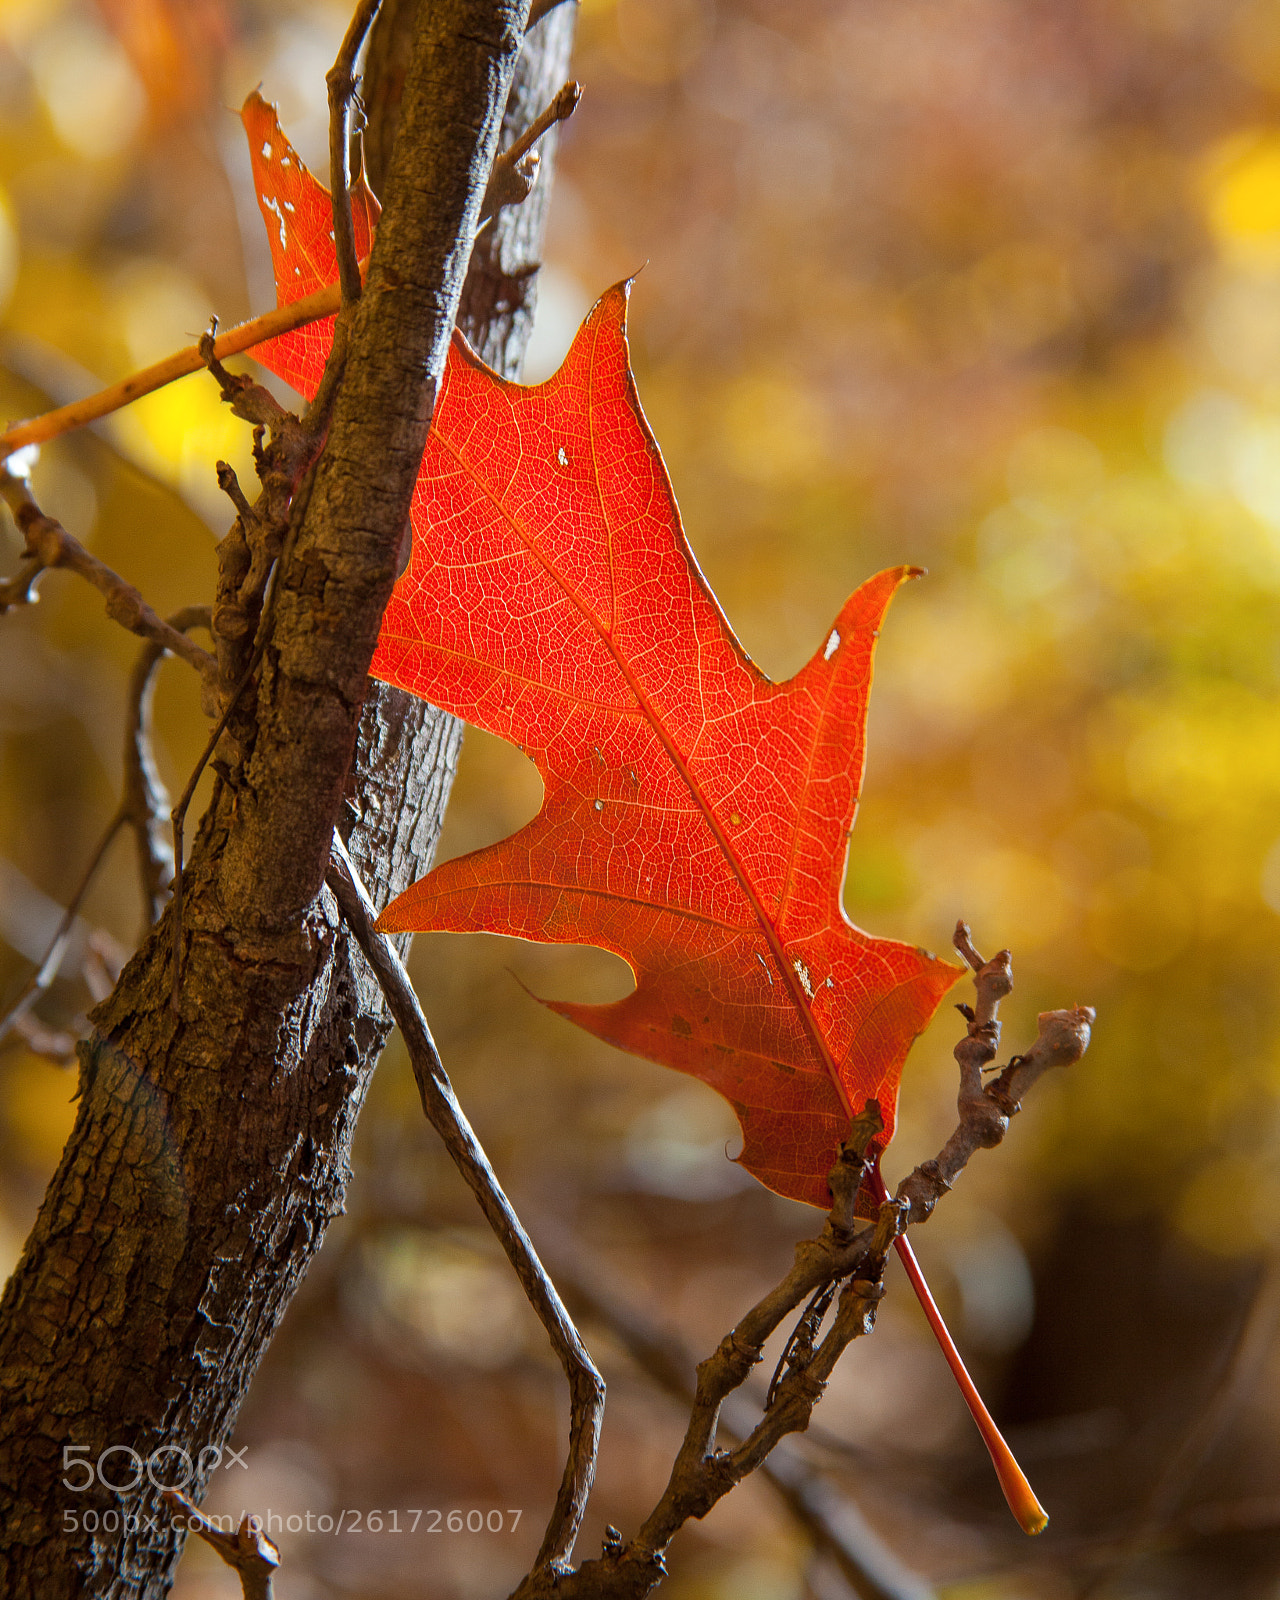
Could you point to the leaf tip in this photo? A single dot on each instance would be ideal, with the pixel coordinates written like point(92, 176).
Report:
point(257, 109)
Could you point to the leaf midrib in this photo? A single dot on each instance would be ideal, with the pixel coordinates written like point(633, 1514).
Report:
point(789, 976)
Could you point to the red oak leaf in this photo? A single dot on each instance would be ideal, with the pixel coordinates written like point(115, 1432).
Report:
point(298, 213)
point(696, 815)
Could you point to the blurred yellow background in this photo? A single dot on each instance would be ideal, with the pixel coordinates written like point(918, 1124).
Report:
point(988, 286)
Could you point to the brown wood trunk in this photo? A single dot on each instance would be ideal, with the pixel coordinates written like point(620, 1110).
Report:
point(212, 1145)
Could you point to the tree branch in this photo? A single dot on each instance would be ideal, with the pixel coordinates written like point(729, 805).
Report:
point(986, 1111)
point(836, 1527)
point(516, 168)
point(511, 179)
point(586, 1386)
point(212, 1143)
point(49, 544)
point(703, 1473)
point(145, 803)
point(348, 546)
point(142, 807)
point(79, 413)
point(49, 967)
point(343, 82)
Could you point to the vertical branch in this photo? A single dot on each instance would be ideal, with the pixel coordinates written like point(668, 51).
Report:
point(343, 82)
point(171, 1204)
point(141, 806)
point(145, 803)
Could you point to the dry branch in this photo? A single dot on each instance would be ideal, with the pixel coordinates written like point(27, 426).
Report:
point(142, 807)
point(836, 1527)
point(343, 83)
point(48, 544)
point(839, 1257)
point(51, 963)
point(586, 1387)
point(145, 803)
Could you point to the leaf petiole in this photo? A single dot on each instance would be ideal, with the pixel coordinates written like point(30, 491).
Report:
point(1031, 1516)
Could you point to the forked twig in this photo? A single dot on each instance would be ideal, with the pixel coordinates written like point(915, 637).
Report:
point(48, 969)
point(703, 1473)
point(586, 1386)
point(141, 808)
point(515, 169)
point(834, 1524)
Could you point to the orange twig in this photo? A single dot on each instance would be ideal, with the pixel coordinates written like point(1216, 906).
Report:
point(323, 303)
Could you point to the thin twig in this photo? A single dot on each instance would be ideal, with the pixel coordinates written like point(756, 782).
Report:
point(47, 971)
point(985, 1110)
point(49, 543)
point(515, 169)
point(702, 1472)
point(560, 109)
point(254, 1557)
point(145, 803)
point(343, 83)
point(586, 1386)
point(835, 1526)
point(141, 807)
point(65, 419)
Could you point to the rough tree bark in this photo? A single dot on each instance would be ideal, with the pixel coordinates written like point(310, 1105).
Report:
point(211, 1147)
